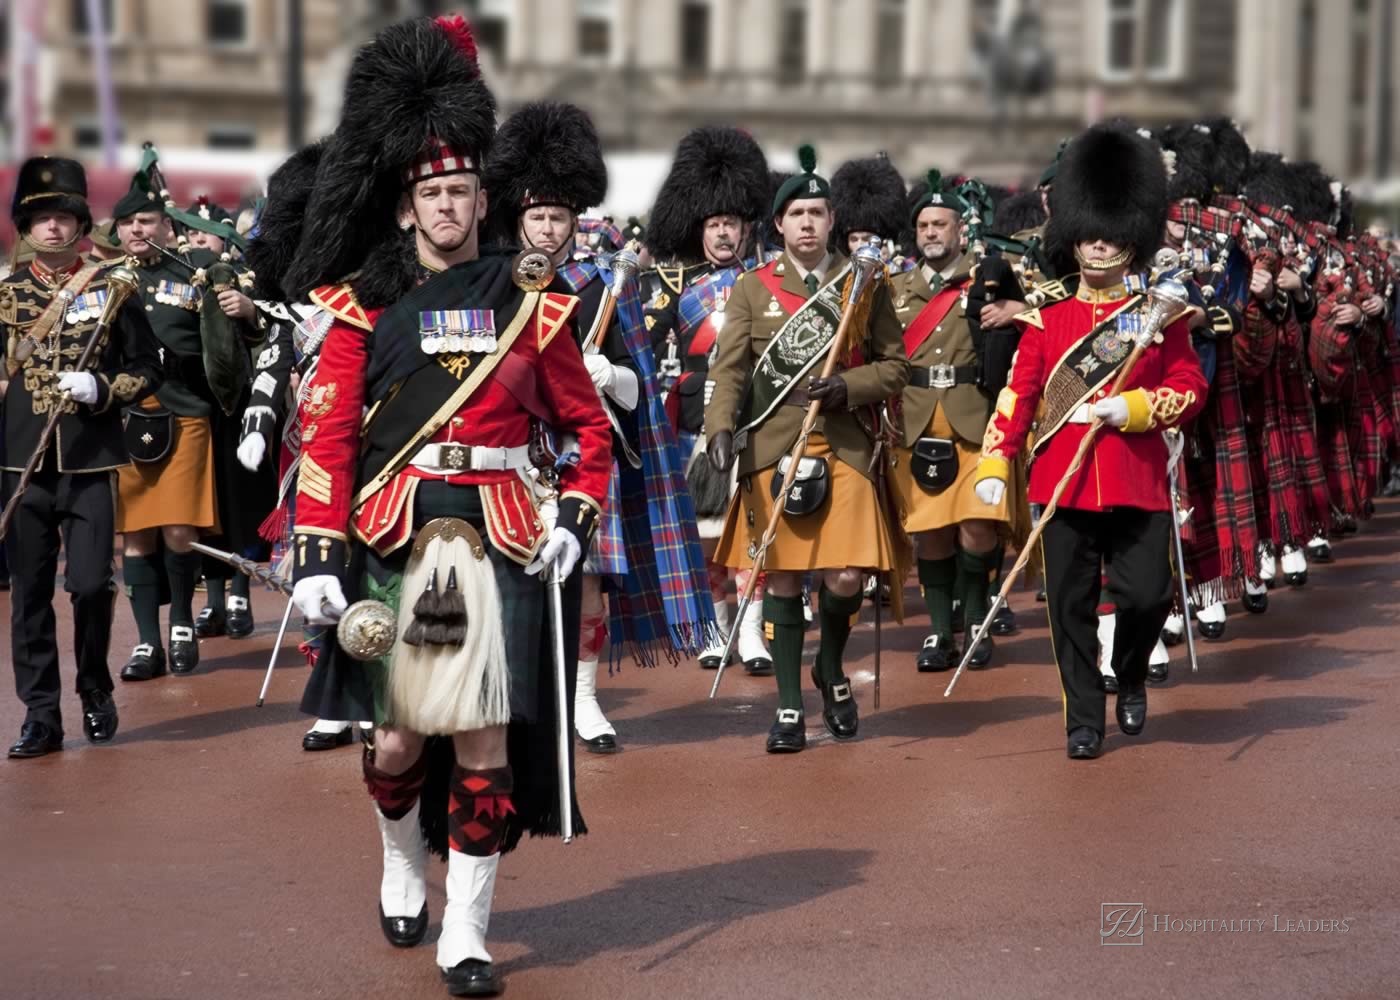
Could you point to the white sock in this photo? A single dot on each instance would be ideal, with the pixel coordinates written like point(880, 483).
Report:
point(1268, 566)
point(1159, 654)
point(722, 616)
point(1212, 613)
point(1294, 561)
point(470, 883)
point(1254, 589)
point(330, 727)
point(589, 719)
point(750, 642)
point(1176, 625)
point(403, 889)
point(1107, 626)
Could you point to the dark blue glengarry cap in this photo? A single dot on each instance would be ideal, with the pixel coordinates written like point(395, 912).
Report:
point(806, 184)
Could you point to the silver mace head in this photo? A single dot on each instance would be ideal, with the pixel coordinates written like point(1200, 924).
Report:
point(865, 260)
point(1166, 300)
point(122, 278)
point(625, 265)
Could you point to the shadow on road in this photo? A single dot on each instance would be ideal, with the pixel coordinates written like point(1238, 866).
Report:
point(1249, 722)
point(207, 725)
point(648, 910)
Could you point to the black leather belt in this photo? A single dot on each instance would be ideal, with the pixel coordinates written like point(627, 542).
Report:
point(942, 376)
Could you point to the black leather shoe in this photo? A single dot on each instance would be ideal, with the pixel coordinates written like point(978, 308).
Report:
point(759, 666)
point(99, 716)
point(1255, 604)
point(404, 932)
point(1214, 631)
point(788, 733)
point(1108, 683)
point(240, 618)
point(472, 977)
point(147, 662)
point(839, 712)
point(1131, 709)
point(1004, 622)
point(314, 740)
point(1172, 638)
point(936, 655)
point(1157, 673)
point(1319, 549)
point(606, 743)
point(35, 740)
point(210, 623)
point(1040, 596)
point(709, 659)
point(983, 654)
point(1084, 744)
point(184, 650)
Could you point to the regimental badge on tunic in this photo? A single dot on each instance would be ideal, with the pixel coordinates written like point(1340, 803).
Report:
point(532, 270)
point(457, 331)
point(773, 308)
point(175, 293)
point(87, 306)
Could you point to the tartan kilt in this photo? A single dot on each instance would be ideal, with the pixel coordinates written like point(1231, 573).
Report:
point(607, 555)
point(344, 688)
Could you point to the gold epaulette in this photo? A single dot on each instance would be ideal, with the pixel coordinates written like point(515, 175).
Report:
point(1222, 322)
point(339, 301)
point(554, 311)
point(1031, 317)
point(673, 277)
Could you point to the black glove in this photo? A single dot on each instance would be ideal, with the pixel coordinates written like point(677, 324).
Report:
point(830, 392)
point(720, 450)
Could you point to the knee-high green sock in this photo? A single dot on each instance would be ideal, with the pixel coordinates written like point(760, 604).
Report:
point(836, 614)
point(976, 569)
point(936, 577)
point(183, 571)
point(214, 591)
point(141, 574)
point(785, 624)
point(238, 586)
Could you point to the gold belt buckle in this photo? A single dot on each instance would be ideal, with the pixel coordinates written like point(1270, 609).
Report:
point(455, 456)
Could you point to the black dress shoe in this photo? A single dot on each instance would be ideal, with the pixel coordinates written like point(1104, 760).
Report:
point(146, 662)
point(1319, 549)
point(1084, 744)
point(314, 740)
point(788, 733)
point(1214, 631)
point(210, 623)
point(35, 740)
point(983, 654)
point(1108, 683)
point(240, 618)
point(472, 977)
point(1131, 709)
point(605, 743)
point(404, 932)
point(1004, 622)
point(759, 666)
point(1255, 604)
point(1040, 595)
point(709, 659)
point(99, 716)
point(1157, 673)
point(1172, 638)
point(936, 655)
point(839, 712)
point(184, 650)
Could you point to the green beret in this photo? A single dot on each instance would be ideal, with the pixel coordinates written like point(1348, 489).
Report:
point(807, 184)
point(937, 197)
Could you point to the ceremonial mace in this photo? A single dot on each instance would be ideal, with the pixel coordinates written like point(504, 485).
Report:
point(624, 266)
point(864, 263)
point(1176, 444)
point(121, 283)
point(1165, 301)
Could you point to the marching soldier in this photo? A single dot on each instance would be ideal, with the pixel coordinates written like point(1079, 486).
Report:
point(426, 502)
point(956, 537)
point(783, 317)
point(546, 168)
point(1109, 213)
point(867, 198)
point(168, 495)
point(703, 234)
point(49, 310)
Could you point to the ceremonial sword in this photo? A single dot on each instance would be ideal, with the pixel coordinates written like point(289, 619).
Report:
point(1176, 444)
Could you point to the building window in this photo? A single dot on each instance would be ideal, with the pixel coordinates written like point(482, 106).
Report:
point(1307, 27)
point(792, 42)
point(79, 17)
point(226, 21)
point(1356, 149)
point(1122, 37)
point(1143, 38)
point(695, 39)
point(87, 135)
point(595, 18)
point(889, 42)
point(490, 21)
point(231, 137)
point(1360, 51)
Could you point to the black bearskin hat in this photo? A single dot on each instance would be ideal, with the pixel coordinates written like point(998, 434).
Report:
point(50, 184)
point(415, 105)
point(867, 196)
point(1301, 188)
point(277, 234)
point(547, 153)
point(1194, 148)
point(1317, 200)
point(1231, 156)
point(717, 171)
point(1019, 212)
point(1111, 185)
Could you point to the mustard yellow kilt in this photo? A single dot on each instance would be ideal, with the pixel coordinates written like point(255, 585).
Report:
point(924, 511)
point(177, 490)
point(849, 531)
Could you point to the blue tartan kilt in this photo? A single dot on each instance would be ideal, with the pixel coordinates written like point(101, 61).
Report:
point(607, 555)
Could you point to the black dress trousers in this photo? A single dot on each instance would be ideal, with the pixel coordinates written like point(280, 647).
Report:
point(1135, 546)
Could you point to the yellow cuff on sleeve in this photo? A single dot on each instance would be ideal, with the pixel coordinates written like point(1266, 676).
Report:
point(993, 467)
point(1139, 411)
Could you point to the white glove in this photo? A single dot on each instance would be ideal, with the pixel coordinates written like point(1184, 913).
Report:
point(990, 491)
point(601, 370)
point(80, 386)
point(1112, 411)
point(319, 599)
point(251, 451)
point(561, 551)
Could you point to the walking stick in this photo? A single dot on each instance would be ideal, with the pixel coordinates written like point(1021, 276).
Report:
point(276, 648)
point(864, 262)
point(121, 282)
point(1175, 445)
point(561, 708)
point(1165, 301)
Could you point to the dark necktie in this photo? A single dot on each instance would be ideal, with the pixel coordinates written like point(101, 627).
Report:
point(812, 284)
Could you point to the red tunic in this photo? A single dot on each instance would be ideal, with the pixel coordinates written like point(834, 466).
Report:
point(332, 505)
point(1124, 468)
